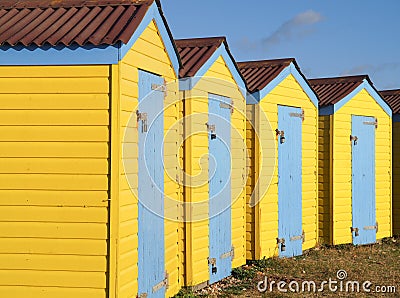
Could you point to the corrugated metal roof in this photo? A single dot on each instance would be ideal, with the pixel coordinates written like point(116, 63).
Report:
point(258, 74)
point(194, 52)
point(40, 22)
point(331, 90)
point(392, 98)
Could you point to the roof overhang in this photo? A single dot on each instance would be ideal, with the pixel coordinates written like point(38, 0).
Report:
point(254, 98)
point(331, 109)
point(190, 82)
point(89, 54)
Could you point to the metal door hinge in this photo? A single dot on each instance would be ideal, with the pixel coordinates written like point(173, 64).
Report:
point(228, 254)
point(162, 284)
point(375, 227)
point(142, 117)
point(212, 261)
point(298, 115)
point(300, 237)
point(281, 134)
point(161, 88)
point(224, 105)
point(356, 231)
point(374, 123)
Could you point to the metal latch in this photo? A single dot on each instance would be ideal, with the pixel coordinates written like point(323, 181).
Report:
point(211, 129)
point(213, 263)
point(375, 227)
point(162, 284)
point(157, 87)
point(354, 139)
point(281, 241)
point(228, 254)
point(300, 237)
point(142, 117)
point(298, 115)
point(355, 230)
point(281, 135)
point(224, 105)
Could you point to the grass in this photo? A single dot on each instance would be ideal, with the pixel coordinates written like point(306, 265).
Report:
point(378, 263)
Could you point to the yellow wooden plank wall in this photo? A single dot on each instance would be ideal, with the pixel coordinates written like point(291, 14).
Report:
point(149, 54)
point(251, 181)
point(324, 180)
point(217, 80)
point(362, 104)
point(54, 156)
point(290, 93)
point(396, 178)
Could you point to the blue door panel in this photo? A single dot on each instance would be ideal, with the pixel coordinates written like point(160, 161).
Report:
point(150, 188)
point(363, 180)
point(290, 181)
point(219, 187)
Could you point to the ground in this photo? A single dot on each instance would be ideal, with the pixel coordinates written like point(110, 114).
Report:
point(377, 267)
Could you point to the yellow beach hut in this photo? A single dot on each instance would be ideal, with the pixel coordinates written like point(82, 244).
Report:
point(355, 161)
point(77, 182)
point(213, 92)
point(392, 98)
point(282, 114)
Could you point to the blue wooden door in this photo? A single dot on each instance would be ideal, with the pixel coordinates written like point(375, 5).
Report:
point(151, 187)
point(219, 143)
point(363, 180)
point(289, 181)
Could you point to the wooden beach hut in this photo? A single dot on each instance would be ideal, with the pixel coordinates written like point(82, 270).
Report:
point(355, 161)
point(282, 113)
point(392, 98)
point(77, 182)
point(213, 92)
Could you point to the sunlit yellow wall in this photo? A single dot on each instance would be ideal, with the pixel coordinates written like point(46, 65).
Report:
point(396, 178)
point(217, 80)
point(149, 54)
point(364, 105)
point(324, 180)
point(289, 93)
point(54, 156)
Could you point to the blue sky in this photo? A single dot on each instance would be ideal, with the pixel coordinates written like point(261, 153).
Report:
point(327, 37)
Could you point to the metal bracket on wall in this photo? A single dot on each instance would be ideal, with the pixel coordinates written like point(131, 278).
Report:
point(224, 105)
point(161, 88)
point(375, 227)
point(228, 254)
point(162, 284)
point(298, 115)
point(374, 123)
point(300, 237)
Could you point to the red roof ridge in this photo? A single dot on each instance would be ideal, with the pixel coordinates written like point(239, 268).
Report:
point(339, 79)
point(200, 41)
point(391, 91)
point(21, 4)
point(261, 63)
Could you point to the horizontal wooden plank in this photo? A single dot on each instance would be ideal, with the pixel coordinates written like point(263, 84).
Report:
point(53, 278)
point(53, 262)
point(50, 292)
point(55, 149)
point(54, 117)
point(54, 214)
point(54, 85)
point(53, 230)
point(53, 182)
point(54, 133)
point(64, 71)
point(53, 166)
point(54, 247)
point(54, 101)
point(53, 198)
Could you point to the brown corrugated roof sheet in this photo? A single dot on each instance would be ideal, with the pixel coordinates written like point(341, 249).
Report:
point(331, 90)
point(392, 98)
point(258, 74)
point(194, 52)
point(40, 22)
